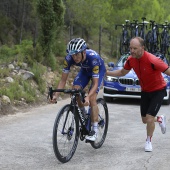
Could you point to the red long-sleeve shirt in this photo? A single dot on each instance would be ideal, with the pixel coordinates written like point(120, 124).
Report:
point(148, 69)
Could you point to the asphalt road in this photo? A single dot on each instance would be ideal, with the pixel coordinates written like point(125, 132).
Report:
point(26, 141)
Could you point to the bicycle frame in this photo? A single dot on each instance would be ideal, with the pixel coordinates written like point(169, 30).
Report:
point(74, 105)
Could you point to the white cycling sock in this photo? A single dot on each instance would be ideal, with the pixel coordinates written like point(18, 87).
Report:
point(95, 126)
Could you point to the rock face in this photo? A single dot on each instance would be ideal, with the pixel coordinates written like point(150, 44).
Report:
point(22, 71)
point(9, 77)
point(6, 100)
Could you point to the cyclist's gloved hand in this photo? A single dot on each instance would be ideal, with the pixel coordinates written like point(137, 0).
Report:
point(54, 99)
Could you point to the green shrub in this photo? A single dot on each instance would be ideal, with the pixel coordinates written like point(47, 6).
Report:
point(19, 89)
point(60, 48)
point(6, 54)
point(51, 61)
point(4, 72)
point(38, 71)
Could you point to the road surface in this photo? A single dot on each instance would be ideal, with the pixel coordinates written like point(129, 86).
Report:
point(26, 141)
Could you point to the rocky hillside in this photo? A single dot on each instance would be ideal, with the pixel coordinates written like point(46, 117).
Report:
point(8, 106)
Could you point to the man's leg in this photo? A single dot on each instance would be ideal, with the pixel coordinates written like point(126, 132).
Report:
point(150, 127)
point(150, 124)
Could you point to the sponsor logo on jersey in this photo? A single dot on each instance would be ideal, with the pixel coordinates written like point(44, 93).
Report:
point(96, 69)
point(91, 54)
point(65, 64)
point(94, 62)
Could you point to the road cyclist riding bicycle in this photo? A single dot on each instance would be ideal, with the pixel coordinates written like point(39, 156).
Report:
point(92, 68)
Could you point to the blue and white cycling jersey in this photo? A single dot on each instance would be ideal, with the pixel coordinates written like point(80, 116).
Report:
point(93, 65)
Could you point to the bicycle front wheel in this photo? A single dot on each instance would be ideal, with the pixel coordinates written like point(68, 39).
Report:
point(124, 46)
point(103, 121)
point(65, 134)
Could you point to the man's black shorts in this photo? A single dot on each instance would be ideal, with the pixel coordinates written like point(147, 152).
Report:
point(151, 102)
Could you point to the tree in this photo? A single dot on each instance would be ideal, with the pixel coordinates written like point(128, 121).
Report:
point(51, 14)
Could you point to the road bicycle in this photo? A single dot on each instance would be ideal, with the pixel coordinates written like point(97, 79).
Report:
point(71, 124)
point(152, 38)
point(165, 39)
point(124, 39)
point(143, 27)
point(134, 29)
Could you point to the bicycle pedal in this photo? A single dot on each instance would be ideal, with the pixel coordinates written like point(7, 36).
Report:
point(88, 141)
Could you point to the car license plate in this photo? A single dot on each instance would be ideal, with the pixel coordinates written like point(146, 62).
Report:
point(132, 89)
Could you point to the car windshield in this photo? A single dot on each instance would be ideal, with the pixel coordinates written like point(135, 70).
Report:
point(122, 60)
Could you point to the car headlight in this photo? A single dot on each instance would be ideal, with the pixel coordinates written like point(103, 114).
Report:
point(111, 79)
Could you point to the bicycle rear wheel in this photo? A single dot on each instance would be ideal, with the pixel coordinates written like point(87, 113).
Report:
point(102, 124)
point(124, 46)
point(148, 41)
point(65, 134)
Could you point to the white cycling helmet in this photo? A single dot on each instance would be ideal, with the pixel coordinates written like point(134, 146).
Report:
point(75, 46)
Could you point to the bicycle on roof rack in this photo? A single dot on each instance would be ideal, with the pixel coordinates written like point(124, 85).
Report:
point(124, 39)
point(152, 38)
point(165, 39)
point(71, 124)
point(134, 29)
point(143, 27)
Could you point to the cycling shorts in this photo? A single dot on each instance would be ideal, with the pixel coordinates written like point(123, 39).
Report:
point(82, 79)
point(151, 102)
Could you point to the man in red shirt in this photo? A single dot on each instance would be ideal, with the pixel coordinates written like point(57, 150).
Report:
point(148, 69)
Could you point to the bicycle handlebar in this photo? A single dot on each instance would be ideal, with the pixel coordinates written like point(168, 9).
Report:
point(70, 91)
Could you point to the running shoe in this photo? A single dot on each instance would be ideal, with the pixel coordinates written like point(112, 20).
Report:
point(163, 124)
point(148, 146)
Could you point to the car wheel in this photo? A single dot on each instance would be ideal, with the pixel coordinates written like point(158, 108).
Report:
point(108, 99)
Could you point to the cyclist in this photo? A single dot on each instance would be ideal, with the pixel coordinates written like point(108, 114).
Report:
point(148, 69)
point(92, 68)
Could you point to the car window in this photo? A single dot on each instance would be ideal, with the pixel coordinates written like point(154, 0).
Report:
point(122, 61)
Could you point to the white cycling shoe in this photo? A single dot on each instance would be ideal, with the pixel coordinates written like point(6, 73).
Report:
point(92, 136)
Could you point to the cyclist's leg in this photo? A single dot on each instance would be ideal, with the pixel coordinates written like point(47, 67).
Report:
point(93, 103)
point(94, 109)
point(80, 82)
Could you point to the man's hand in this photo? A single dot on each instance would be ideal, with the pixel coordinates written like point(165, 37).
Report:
point(54, 99)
